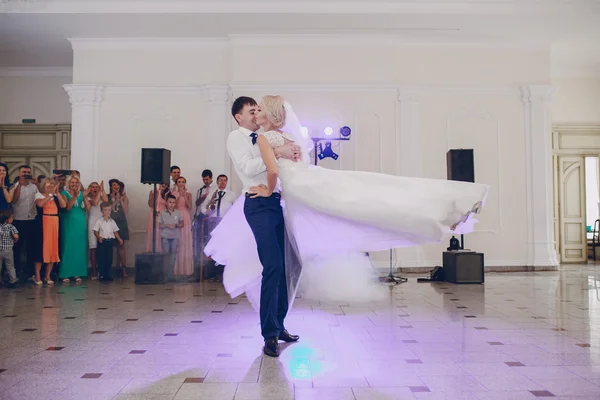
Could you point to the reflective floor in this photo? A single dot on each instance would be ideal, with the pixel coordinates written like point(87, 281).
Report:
point(519, 336)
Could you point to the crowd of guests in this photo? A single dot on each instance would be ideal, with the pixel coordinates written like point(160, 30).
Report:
point(180, 220)
point(49, 225)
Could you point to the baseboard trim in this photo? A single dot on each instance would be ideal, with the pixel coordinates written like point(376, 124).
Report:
point(489, 268)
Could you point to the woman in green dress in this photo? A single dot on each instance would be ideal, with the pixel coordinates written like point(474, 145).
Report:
point(73, 231)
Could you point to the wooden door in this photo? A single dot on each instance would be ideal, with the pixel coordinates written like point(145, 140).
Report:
point(571, 181)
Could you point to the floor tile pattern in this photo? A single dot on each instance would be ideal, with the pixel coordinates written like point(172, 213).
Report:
point(519, 336)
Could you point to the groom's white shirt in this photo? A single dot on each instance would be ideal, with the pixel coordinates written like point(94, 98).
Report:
point(246, 158)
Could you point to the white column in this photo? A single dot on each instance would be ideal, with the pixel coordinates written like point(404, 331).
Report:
point(537, 100)
point(408, 158)
point(219, 126)
point(85, 132)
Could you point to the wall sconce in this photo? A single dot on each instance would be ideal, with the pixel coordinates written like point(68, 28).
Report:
point(327, 151)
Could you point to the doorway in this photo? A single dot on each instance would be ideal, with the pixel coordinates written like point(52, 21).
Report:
point(576, 190)
point(43, 147)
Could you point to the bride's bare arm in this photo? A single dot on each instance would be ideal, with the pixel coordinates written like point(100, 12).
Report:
point(268, 157)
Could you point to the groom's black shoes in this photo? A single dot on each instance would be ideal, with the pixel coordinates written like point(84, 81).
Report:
point(271, 347)
point(286, 337)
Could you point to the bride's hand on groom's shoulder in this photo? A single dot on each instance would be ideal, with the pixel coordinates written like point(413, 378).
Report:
point(259, 191)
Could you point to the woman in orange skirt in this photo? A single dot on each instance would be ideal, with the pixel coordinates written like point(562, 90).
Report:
point(48, 201)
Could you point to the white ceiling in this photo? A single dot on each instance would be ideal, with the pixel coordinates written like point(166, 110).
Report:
point(34, 33)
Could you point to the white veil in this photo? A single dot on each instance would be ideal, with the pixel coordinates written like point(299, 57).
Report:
point(294, 129)
point(293, 259)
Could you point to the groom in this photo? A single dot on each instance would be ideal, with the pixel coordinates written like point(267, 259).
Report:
point(265, 217)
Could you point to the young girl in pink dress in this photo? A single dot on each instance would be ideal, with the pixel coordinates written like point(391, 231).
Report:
point(184, 265)
point(161, 205)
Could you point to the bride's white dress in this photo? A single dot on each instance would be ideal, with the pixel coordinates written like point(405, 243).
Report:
point(334, 217)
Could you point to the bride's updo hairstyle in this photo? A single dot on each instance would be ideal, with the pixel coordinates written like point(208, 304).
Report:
point(274, 110)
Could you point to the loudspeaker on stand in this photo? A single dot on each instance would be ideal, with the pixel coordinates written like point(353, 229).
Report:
point(460, 165)
point(156, 166)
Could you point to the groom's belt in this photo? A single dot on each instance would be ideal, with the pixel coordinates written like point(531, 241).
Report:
point(274, 195)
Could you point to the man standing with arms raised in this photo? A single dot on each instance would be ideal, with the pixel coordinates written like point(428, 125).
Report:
point(265, 217)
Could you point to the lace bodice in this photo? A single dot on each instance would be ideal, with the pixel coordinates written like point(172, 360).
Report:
point(274, 138)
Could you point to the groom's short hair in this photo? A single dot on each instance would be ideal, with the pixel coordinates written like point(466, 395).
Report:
point(207, 173)
point(239, 104)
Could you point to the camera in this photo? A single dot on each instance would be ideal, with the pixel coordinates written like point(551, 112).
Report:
point(28, 177)
point(62, 172)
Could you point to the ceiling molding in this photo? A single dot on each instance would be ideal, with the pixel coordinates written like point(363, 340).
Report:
point(350, 39)
point(572, 69)
point(36, 72)
point(472, 7)
point(439, 38)
point(145, 43)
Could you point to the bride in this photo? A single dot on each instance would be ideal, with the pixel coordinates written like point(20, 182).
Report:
point(334, 217)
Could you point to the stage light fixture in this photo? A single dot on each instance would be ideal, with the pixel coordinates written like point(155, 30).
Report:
point(345, 132)
point(327, 151)
point(319, 151)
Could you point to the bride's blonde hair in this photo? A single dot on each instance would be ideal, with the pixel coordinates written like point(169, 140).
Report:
point(274, 110)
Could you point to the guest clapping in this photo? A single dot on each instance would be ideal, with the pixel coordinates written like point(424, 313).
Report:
point(160, 194)
point(74, 232)
point(48, 201)
point(6, 195)
point(120, 207)
point(184, 265)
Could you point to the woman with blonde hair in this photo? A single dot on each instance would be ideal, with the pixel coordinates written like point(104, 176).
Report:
point(96, 196)
point(48, 201)
point(332, 217)
point(73, 232)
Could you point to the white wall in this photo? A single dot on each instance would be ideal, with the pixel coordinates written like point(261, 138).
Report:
point(407, 105)
point(577, 102)
point(41, 98)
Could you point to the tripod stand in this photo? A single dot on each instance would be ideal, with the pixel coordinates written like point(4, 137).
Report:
point(391, 278)
point(154, 220)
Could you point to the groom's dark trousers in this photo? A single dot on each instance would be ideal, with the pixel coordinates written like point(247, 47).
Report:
point(265, 217)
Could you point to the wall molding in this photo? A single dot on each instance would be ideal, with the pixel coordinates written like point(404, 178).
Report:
point(395, 38)
point(541, 241)
point(36, 72)
point(407, 90)
point(376, 87)
point(133, 89)
point(374, 7)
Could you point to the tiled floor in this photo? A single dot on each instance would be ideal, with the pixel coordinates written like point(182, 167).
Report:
point(519, 336)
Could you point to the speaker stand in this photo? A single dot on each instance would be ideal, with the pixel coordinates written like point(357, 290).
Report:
point(391, 278)
point(154, 220)
point(462, 241)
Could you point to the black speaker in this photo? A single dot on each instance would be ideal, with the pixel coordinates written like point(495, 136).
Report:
point(156, 165)
point(150, 268)
point(463, 267)
point(460, 165)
